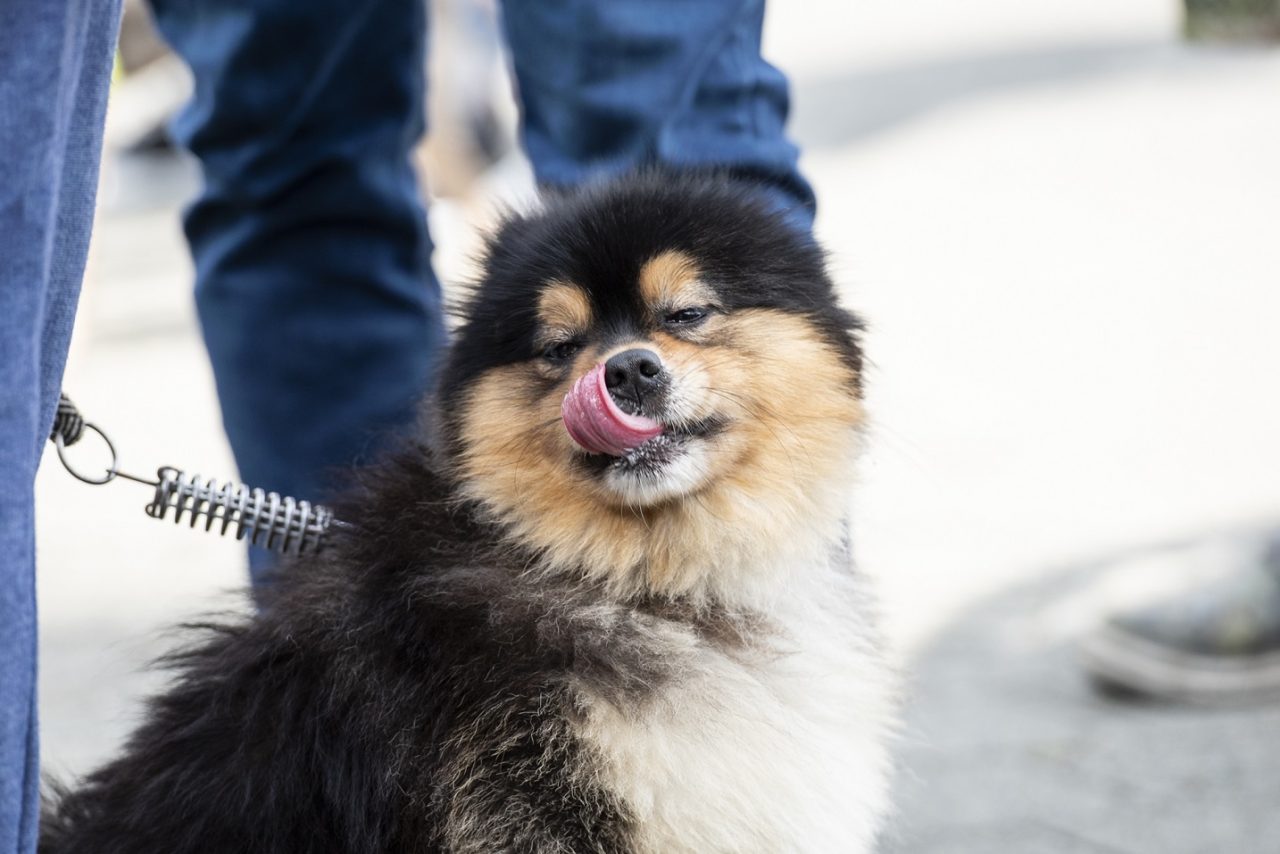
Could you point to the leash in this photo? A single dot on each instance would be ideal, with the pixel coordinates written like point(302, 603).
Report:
point(265, 519)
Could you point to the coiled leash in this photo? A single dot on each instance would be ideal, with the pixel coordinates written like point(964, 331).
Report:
point(265, 519)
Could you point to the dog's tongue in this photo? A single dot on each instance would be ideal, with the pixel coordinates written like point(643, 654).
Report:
point(596, 423)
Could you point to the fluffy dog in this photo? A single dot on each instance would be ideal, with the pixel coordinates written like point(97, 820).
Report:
point(605, 606)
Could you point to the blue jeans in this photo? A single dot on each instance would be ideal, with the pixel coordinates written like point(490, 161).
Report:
point(313, 278)
point(55, 64)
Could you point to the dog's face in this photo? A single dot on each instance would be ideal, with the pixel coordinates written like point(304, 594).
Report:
point(645, 348)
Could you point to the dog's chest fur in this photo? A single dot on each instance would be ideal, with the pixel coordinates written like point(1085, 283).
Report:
point(778, 747)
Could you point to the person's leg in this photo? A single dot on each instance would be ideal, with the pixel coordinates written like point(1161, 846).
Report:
point(313, 276)
point(606, 85)
point(55, 66)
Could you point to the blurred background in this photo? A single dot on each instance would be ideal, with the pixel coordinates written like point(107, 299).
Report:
point(1061, 219)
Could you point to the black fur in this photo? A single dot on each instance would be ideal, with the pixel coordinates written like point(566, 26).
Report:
point(408, 690)
point(320, 726)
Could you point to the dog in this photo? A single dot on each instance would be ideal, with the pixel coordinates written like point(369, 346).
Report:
point(603, 604)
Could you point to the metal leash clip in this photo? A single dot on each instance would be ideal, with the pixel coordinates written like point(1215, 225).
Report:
point(281, 524)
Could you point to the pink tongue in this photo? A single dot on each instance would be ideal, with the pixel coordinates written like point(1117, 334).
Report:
point(596, 423)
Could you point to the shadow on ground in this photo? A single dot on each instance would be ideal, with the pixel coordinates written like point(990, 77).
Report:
point(1008, 749)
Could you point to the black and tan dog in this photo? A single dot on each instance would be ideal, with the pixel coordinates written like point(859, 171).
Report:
point(605, 607)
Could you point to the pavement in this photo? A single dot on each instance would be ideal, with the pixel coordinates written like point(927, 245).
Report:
point(1061, 225)
point(1008, 748)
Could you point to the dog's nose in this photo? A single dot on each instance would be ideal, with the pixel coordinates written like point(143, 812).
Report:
point(634, 374)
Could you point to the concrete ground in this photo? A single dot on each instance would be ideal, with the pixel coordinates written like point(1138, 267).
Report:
point(1061, 225)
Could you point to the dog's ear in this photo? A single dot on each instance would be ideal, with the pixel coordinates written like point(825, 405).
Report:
point(512, 238)
point(498, 255)
point(512, 226)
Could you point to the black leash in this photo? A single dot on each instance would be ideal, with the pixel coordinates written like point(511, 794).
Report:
point(265, 519)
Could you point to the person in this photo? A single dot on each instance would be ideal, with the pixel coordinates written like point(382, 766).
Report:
point(55, 68)
point(314, 286)
point(1218, 642)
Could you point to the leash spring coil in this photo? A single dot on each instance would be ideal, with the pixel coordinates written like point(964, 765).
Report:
point(280, 524)
point(265, 519)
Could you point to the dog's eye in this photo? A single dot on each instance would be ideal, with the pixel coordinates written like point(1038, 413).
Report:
point(561, 350)
point(686, 316)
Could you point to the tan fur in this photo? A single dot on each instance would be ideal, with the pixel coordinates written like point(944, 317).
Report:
point(563, 310)
point(781, 467)
point(671, 281)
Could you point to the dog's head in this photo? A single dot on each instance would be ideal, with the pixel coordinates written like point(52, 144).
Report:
point(652, 376)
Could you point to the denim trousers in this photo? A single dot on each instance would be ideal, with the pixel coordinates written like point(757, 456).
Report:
point(55, 66)
point(314, 286)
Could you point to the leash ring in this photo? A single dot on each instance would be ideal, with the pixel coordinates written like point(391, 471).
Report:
point(111, 471)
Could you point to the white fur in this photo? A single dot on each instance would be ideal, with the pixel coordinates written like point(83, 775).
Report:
point(685, 473)
point(751, 751)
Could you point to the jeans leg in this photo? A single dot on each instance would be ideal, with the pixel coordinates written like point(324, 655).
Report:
point(313, 277)
point(55, 65)
point(606, 85)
